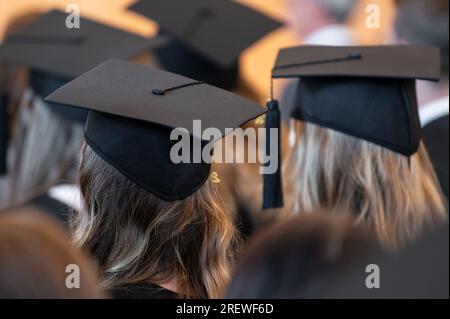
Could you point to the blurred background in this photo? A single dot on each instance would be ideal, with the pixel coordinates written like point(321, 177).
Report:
point(113, 12)
point(48, 155)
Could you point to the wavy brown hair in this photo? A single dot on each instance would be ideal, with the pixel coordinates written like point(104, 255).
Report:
point(394, 195)
point(136, 237)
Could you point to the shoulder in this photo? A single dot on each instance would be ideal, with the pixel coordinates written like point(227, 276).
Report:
point(434, 111)
point(141, 291)
point(436, 131)
point(52, 207)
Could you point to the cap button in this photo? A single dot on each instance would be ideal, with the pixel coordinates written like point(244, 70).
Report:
point(354, 55)
point(158, 91)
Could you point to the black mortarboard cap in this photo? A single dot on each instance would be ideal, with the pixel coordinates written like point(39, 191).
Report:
point(206, 37)
point(48, 46)
point(44, 84)
point(56, 54)
point(367, 92)
point(134, 108)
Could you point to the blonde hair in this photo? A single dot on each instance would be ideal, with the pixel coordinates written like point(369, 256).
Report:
point(136, 237)
point(46, 149)
point(391, 194)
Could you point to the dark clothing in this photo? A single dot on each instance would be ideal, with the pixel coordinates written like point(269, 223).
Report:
point(435, 137)
point(244, 222)
point(53, 208)
point(142, 291)
point(288, 100)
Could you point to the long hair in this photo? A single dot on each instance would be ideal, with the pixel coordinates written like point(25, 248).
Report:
point(394, 195)
point(45, 150)
point(136, 237)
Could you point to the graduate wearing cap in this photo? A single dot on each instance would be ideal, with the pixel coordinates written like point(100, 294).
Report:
point(205, 39)
point(47, 139)
point(4, 130)
point(4, 119)
point(427, 23)
point(317, 22)
point(358, 144)
point(155, 225)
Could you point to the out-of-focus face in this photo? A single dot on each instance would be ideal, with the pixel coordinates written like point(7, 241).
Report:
point(305, 16)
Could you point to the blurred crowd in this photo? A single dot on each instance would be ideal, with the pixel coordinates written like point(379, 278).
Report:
point(350, 203)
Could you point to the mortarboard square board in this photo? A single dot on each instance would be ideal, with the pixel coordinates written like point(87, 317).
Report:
point(366, 92)
point(126, 89)
point(219, 30)
point(385, 61)
point(133, 110)
point(48, 46)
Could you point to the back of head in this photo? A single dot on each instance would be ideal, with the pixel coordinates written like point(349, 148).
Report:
point(419, 271)
point(13, 80)
point(45, 150)
point(36, 260)
point(394, 195)
point(135, 237)
point(44, 143)
point(425, 23)
point(299, 258)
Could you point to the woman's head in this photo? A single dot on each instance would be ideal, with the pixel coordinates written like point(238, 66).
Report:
point(395, 195)
point(45, 149)
point(301, 257)
point(136, 237)
point(37, 260)
point(44, 146)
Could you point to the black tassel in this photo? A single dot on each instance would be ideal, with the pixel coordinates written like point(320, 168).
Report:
point(273, 187)
point(4, 132)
